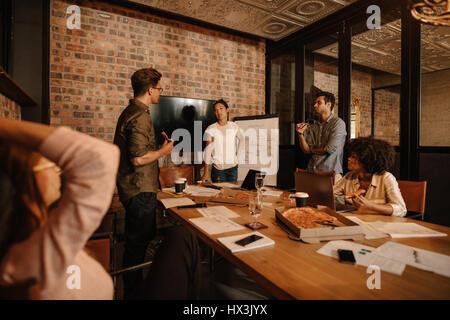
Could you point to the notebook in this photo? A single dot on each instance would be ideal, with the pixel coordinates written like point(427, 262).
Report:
point(230, 242)
point(320, 190)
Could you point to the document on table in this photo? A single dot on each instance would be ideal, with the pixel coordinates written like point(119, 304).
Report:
point(405, 229)
point(226, 185)
point(419, 258)
point(218, 211)
point(229, 242)
point(198, 191)
point(370, 232)
point(175, 202)
point(272, 193)
point(364, 256)
point(216, 224)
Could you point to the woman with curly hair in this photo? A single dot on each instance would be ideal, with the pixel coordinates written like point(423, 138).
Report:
point(368, 185)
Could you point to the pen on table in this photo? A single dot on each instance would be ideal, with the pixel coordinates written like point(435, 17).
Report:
point(197, 205)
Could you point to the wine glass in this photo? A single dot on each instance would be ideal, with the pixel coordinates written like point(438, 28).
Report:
point(259, 181)
point(255, 207)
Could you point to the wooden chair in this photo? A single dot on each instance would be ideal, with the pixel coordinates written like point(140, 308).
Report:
point(101, 246)
point(168, 175)
point(414, 194)
point(322, 173)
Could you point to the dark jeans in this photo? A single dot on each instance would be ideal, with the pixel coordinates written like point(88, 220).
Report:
point(175, 272)
point(224, 175)
point(140, 229)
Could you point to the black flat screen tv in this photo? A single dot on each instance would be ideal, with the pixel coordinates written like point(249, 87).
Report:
point(172, 113)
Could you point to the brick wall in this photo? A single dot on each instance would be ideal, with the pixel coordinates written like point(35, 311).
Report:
point(435, 109)
point(9, 108)
point(387, 115)
point(90, 68)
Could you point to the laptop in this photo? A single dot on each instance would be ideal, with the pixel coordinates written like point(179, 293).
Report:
point(320, 191)
point(249, 181)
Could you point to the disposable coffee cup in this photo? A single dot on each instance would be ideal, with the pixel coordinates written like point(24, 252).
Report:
point(179, 186)
point(301, 199)
point(185, 183)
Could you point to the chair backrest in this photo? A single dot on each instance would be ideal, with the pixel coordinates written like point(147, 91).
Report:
point(320, 173)
point(168, 175)
point(414, 194)
point(100, 250)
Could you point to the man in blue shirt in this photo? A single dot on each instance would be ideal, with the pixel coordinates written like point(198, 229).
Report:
point(324, 139)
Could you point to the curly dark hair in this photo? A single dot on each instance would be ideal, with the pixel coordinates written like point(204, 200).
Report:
point(376, 156)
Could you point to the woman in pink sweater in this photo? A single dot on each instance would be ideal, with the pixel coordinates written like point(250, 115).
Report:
point(43, 232)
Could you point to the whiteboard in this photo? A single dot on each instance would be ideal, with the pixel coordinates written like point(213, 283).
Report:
point(261, 146)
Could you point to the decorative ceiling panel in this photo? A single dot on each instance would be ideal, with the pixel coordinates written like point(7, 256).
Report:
point(269, 19)
point(379, 49)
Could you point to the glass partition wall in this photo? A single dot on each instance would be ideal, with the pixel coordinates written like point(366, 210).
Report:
point(282, 95)
point(391, 82)
point(435, 86)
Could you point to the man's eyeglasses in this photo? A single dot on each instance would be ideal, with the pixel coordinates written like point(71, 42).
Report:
point(160, 89)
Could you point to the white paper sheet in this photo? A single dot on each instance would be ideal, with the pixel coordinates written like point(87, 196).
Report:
point(272, 193)
point(364, 256)
point(419, 258)
point(216, 224)
point(229, 242)
point(175, 202)
point(201, 191)
point(218, 211)
point(405, 230)
point(226, 185)
point(370, 232)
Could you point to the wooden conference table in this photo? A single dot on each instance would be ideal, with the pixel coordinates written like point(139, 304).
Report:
point(294, 270)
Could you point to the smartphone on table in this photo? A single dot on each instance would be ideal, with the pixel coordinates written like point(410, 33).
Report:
point(247, 240)
point(346, 256)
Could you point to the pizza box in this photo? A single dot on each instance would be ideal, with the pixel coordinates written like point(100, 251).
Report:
point(346, 228)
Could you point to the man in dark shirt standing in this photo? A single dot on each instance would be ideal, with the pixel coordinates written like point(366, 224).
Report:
point(137, 179)
point(324, 139)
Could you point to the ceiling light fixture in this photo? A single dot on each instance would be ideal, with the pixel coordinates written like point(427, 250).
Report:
point(434, 12)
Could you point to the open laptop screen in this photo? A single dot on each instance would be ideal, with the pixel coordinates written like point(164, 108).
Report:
point(319, 188)
point(249, 181)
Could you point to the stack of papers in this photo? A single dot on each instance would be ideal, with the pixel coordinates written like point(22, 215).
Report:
point(370, 232)
point(226, 185)
point(229, 242)
point(364, 256)
point(419, 258)
point(218, 211)
point(198, 191)
point(175, 202)
point(405, 230)
point(216, 224)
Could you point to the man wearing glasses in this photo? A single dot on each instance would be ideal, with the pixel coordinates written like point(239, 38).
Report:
point(137, 178)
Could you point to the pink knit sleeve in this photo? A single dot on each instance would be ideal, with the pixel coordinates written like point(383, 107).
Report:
point(89, 166)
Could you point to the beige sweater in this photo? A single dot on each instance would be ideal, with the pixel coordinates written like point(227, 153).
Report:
point(90, 167)
point(382, 190)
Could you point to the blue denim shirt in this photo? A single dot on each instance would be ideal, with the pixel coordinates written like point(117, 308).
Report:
point(331, 137)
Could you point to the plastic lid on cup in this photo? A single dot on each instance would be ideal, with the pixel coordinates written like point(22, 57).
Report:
point(179, 180)
point(301, 195)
